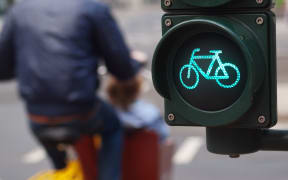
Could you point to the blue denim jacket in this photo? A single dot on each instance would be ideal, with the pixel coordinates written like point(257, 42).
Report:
point(53, 48)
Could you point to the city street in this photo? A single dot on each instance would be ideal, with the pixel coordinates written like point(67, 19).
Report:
point(21, 157)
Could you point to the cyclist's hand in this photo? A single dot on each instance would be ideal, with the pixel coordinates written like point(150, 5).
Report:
point(139, 56)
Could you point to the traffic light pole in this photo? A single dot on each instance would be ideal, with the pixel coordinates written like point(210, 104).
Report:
point(236, 141)
point(274, 140)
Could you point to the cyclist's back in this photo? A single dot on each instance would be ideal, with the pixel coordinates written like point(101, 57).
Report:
point(57, 45)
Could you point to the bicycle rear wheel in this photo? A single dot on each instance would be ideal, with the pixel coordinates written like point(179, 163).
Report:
point(228, 66)
point(187, 79)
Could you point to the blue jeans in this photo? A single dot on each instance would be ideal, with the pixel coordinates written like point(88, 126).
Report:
point(106, 123)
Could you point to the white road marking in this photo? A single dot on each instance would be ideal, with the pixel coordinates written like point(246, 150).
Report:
point(282, 90)
point(188, 150)
point(146, 87)
point(281, 125)
point(35, 156)
point(147, 74)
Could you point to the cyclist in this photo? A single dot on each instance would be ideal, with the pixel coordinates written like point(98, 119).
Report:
point(53, 48)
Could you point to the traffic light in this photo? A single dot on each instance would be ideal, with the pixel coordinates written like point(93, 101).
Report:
point(215, 65)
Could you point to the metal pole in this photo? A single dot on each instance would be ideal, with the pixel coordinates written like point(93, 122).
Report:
point(237, 141)
point(274, 140)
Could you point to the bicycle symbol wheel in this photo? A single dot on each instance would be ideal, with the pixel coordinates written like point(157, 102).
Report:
point(186, 76)
point(226, 66)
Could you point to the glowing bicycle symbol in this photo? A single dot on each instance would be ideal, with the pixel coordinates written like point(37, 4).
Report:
point(186, 69)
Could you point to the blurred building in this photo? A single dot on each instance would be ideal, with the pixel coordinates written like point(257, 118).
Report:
point(5, 4)
point(130, 3)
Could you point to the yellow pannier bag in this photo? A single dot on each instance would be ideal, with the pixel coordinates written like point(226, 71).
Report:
point(71, 172)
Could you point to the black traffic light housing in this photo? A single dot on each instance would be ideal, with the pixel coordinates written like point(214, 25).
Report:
point(215, 67)
point(253, 35)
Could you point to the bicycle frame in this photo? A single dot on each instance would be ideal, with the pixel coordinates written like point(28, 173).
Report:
point(214, 58)
point(207, 75)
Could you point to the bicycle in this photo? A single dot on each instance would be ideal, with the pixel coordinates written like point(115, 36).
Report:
point(207, 75)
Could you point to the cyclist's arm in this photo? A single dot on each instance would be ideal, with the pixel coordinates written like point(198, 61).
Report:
point(112, 46)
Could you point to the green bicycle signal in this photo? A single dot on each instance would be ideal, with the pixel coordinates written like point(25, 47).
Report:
point(207, 75)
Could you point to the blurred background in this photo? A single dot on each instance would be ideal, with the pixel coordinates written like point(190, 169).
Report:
point(21, 156)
